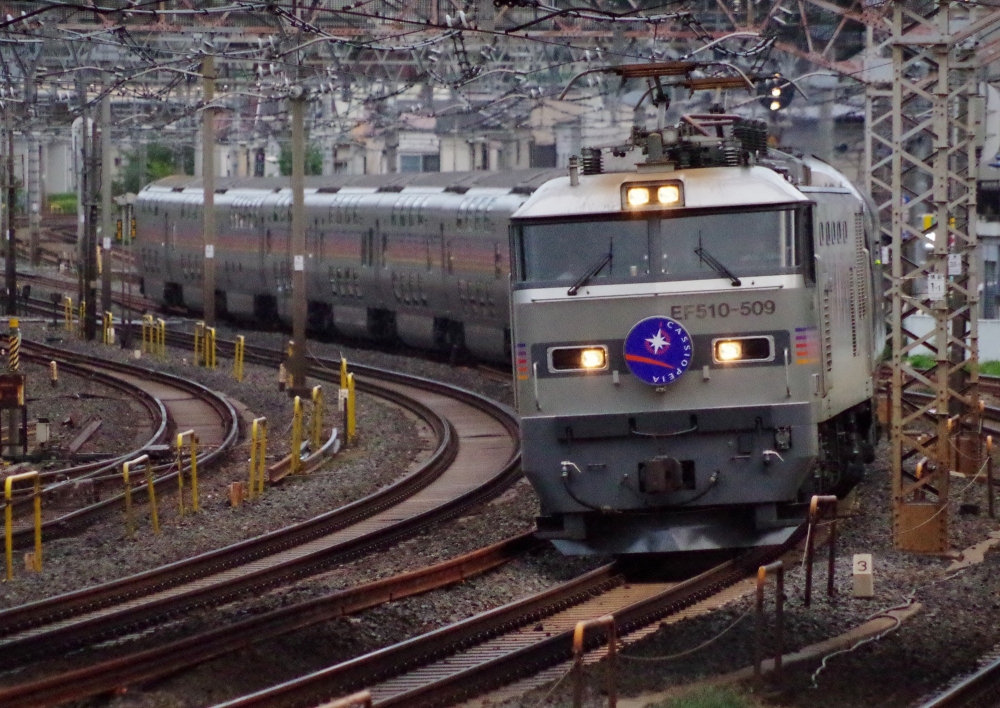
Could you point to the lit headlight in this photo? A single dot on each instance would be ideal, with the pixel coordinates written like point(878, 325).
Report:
point(671, 194)
point(652, 195)
point(743, 349)
point(593, 358)
point(728, 351)
point(637, 196)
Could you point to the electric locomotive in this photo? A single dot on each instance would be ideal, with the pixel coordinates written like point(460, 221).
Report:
point(694, 342)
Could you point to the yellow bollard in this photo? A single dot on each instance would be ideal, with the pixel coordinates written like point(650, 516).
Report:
point(162, 338)
point(199, 336)
point(193, 462)
point(238, 354)
point(297, 436)
point(316, 422)
point(343, 372)
point(210, 347)
point(258, 456)
point(68, 313)
point(82, 316)
point(14, 345)
point(351, 417)
point(282, 377)
point(608, 623)
point(9, 520)
point(147, 334)
point(54, 373)
point(106, 323)
point(129, 518)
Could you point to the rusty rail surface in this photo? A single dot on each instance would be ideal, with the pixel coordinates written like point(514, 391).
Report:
point(980, 689)
point(462, 675)
point(40, 629)
point(170, 658)
point(80, 519)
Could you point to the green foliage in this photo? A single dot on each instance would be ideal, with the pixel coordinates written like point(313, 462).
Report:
point(62, 203)
point(711, 697)
point(149, 163)
point(314, 160)
point(990, 368)
point(922, 361)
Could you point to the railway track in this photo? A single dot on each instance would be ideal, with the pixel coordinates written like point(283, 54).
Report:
point(171, 401)
point(476, 457)
point(498, 647)
point(980, 690)
point(170, 658)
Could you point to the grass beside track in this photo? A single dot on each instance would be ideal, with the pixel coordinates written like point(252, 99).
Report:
point(712, 697)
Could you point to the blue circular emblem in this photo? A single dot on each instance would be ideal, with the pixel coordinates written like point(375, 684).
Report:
point(658, 350)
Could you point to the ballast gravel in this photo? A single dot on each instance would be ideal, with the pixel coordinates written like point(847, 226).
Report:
point(947, 637)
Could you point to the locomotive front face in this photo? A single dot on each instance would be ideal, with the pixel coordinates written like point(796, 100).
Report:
point(667, 359)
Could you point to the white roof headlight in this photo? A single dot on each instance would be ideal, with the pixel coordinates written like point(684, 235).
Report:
point(652, 195)
point(637, 196)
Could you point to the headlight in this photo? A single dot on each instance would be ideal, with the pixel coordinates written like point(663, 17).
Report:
point(728, 351)
point(670, 194)
point(593, 358)
point(652, 195)
point(741, 349)
point(637, 196)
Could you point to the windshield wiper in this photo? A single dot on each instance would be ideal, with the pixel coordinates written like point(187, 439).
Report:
point(716, 264)
point(585, 278)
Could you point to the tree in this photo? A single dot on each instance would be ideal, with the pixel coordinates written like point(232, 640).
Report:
point(151, 162)
point(314, 160)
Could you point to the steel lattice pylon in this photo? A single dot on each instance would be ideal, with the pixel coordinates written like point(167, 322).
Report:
point(922, 150)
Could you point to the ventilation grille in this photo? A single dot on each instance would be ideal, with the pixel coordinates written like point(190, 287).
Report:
point(827, 339)
point(861, 289)
point(852, 274)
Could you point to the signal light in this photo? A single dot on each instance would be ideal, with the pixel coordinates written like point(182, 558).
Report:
point(775, 92)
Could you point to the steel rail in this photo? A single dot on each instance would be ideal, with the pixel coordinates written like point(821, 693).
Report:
point(462, 677)
point(165, 660)
point(980, 689)
point(52, 611)
point(16, 650)
point(75, 521)
point(154, 406)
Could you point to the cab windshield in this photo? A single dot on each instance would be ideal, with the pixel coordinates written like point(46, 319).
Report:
point(680, 246)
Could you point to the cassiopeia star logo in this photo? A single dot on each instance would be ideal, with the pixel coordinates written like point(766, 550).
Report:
point(660, 340)
point(658, 350)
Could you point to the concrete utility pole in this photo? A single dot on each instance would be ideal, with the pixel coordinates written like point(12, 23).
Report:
point(90, 256)
point(107, 218)
point(34, 179)
point(11, 270)
point(208, 183)
point(80, 168)
point(297, 363)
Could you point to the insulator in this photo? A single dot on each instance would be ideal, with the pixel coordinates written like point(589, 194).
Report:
point(592, 161)
point(731, 153)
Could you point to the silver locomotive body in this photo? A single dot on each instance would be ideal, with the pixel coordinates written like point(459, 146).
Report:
point(763, 289)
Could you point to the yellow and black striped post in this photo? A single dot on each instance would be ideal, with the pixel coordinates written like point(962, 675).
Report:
point(14, 345)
